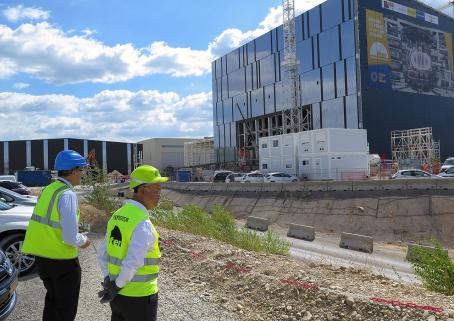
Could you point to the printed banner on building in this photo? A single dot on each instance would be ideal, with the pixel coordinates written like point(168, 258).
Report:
point(408, 57)
point(412, 12)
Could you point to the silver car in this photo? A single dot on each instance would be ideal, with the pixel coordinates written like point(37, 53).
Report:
point(413, 174)
point(449, 172)
point(11, 197)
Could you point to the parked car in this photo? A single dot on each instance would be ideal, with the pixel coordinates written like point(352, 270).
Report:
point(412, 174)
point(17, 187)
point(234, 177)
point(8, 285)
point(253, 177)
point(220, 176)
point(449, 172)
point(447, 163)
point(11, 178)
point(280, 177)
point(13, 224)
point(10, 197)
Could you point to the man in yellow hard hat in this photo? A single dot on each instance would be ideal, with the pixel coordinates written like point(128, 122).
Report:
point(53, 238)
point(129, 258)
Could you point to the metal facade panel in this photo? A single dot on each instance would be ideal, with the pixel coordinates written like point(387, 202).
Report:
point(76, 145)
point(117, 157)
point(54, 146)
point(37, 157)
point(1, 158)
point(17, 155)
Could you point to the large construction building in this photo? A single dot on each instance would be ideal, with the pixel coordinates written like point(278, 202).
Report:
point(374, 64)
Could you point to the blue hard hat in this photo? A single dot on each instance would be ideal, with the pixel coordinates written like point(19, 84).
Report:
point(68, 159)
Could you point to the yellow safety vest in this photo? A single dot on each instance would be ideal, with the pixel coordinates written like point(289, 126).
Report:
point(44, 234)
point(120, 228)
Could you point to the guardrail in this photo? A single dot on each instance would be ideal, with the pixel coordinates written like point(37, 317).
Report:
point(320, 186)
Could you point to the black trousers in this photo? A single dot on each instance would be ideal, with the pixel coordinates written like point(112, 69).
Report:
point(126, 308)
point(61, 279)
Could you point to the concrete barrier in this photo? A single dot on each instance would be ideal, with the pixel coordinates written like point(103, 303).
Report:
point(272, 187)
point(257, 223)
point(316, 186)
point(357, 242)
point(342, 186)
point(293, 187)
point(412, 256)
point(301, 232)
point(445, 184)
point(421, 184)
point(365, 186)
point(203, 187)
point(247, 187)
point(392, 185)
point(221, 187)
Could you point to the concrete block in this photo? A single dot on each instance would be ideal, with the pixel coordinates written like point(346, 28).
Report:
point(392, 185)
point(365, 185)
point(257, 223)
point(316, 186)
point(421, 184)
point(220, 187)
point(357, 242)
point(248, 187)
point(272, 187)
point(444, 183)
point(202, 187)
point(412, 256)
point(301, 232)
point(293, 187)
point(340, 186)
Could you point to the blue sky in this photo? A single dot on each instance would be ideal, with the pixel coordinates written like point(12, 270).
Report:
point(117, 70)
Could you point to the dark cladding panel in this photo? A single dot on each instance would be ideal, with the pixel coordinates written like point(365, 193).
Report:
point(333, 113)
point(219, 113)
point(239, 107)
point(233, 60)
point(267, 71)
point(55, 146)
point(227, 135)
point(331, 13)
point(280, 38)
point(328, 83)
point(237, 82)
point(221, 136)
point(314, 21)
point(258, 108)
point(227, 108)
point(269, 99)
point(216, 137)
point(351, 111)
point(340, 78)
point(351, 75)
point(329, 46)
point(76, 145)
point(279, 94)
point(97, 146)
point(348, 39)
point(225, 87)
point(117, 157)
point(250, 51)
point(316, 116)
point(17, 155)
point(37, 153)
point(263, 46)
point(299, 28)
point(304, 55)
point(310, 87)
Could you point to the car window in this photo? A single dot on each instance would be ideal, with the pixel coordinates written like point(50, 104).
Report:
point(418, 173)
point(4, 206)
point(449, 162)
point(286, 175)
point(406, 173)
point(6, 197)
point(450, 170)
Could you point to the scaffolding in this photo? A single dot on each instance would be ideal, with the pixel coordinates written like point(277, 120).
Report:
point(199, 152)
point(414, 147)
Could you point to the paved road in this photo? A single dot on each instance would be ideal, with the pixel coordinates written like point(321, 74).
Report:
point(175, 304)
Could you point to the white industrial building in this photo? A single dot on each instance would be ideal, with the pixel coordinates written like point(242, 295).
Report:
point(164, 152)
point(329, 153)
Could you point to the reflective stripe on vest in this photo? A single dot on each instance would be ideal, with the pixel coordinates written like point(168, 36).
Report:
point(137, 278)
point(147, 261)
point(46, 220)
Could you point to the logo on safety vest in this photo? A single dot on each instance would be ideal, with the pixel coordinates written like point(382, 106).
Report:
point(115, 237)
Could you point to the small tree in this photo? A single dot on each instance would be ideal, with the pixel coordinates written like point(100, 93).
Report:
point(99, 194)
point(434, 267)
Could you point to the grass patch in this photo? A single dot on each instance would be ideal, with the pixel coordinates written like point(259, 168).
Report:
point(221, 226)
point(434, 267)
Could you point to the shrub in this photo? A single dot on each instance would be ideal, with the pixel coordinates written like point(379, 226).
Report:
point(435, 268)
point(99, 194)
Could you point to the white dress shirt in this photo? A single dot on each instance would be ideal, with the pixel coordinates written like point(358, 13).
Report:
point(67, 206)
point(141, 243)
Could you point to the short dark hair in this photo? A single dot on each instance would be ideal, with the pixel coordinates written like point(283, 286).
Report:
point(64, 173)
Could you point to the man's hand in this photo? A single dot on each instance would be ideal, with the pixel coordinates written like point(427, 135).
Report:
point(86, 244)
point(109, 293)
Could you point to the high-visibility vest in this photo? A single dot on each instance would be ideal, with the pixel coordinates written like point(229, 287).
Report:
point(120, 228)
point(44, 233)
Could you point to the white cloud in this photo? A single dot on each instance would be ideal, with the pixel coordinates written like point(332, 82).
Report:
point(20, 12)
point(21, 85)
point(108, 115)
point(46, 52)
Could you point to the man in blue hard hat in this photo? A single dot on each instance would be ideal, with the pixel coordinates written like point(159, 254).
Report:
point(53, 238)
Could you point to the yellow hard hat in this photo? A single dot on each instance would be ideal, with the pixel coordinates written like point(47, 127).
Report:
point(146, 174)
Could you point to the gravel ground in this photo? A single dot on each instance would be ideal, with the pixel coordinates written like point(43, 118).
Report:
point(175, 302)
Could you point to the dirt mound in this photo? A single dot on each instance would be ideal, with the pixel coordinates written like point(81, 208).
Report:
point(97, 219)
point(272, 287)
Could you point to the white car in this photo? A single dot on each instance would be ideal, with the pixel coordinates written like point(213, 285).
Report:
point(413, 174)
point(234, 177)
point(11, 197)
point(13, 224)
point(447, 163)
point(253, 177)
point(449, 172)
point(280, 178)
